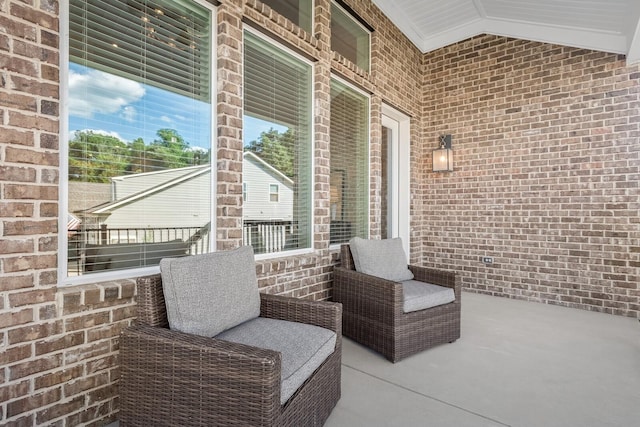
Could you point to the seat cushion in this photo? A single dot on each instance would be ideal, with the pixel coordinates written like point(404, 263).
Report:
point(381, 258)
point(210, 293)
point(420, 295)
point(303, 347)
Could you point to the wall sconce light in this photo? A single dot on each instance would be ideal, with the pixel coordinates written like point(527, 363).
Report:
point(443, 155)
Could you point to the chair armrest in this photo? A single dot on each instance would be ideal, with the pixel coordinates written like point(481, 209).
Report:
point(448, 279)
point(373, 296)
point(319, 313)
point(209, 373)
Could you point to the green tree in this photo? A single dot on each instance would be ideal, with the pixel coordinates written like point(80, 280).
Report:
point(95, 157)
point(276, 149)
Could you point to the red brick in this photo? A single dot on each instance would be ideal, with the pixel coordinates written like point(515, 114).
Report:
point(14, 390)
point(15, 354)
point(17, 155)
point(58, 377)
point(68, 340)
point(33, 192)
point(27, 228)
point(26, 263)
point(10, 283)
point(16, 209)
point(16, 318)
point(24, 121)
point(33, 402)
point(24, 369)
point(18, 137)
point(38, 296)
point(12, 173)
point(33, 332)
point(12, 246)
point(19, 65)
point(44, 20)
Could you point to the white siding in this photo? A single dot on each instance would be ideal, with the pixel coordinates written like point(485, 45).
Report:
point(257, 206)
point(176, 206)
point(124, 186)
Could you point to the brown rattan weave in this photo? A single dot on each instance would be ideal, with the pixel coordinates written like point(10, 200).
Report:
point(373, 311)
point(169, 378)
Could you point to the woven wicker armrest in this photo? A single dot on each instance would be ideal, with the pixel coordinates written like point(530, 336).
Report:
point(444, 278)
point(159, 361)
point(319, 313)
point(371, 291)
point(366, 295)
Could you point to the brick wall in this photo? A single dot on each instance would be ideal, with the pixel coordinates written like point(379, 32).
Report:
point(59, 359)
point(547, 169)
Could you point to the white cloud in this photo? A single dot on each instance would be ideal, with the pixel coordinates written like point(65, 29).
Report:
point(100, 92)
point(129, 113)
point(166, 119)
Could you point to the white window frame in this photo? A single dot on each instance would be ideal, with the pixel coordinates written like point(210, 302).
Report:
point(336, 246)
point(63, 278)
point(402, 162)
point(358, 23)
point(310, 249)
point(276, 193)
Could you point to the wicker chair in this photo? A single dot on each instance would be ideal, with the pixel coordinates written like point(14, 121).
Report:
point(373, 311)
point(170, 378)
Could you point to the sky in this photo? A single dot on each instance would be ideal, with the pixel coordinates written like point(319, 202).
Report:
point(116, 106)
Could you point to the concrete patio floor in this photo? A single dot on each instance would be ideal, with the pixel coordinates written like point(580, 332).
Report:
point(517, 363)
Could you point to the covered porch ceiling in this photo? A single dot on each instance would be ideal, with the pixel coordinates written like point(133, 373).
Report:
point(603, 25)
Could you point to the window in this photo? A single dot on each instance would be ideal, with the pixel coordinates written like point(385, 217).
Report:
point(273, 192)
point(277, 147)
point(300, 12)
point(245, 190)
point(349, 37)
point(139, 129)
point(349, 152)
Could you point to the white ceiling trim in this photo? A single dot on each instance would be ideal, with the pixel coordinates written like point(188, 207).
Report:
point(587, 39)
point(402, 21)
point(453, 35)
point(601, 41)
point(634, 47)
point(619, 41)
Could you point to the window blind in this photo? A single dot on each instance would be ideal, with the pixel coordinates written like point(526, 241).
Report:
point(169, 38)
point(278, 147)
point(300, 12)
point(140, 129)
point(349, 38)
point(349, 152)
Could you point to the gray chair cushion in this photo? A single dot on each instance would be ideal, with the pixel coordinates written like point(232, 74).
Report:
point(381, 258)
point(420, 295)
point(210, 293)
point(303, 347)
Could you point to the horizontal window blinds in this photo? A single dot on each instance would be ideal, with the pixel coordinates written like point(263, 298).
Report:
point(161, 42)
point(349, 151)
point(140, 132)
point(278, 146)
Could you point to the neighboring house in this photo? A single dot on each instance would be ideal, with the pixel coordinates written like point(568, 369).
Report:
point(163, 195)
point(160, 196)
point(267, 192)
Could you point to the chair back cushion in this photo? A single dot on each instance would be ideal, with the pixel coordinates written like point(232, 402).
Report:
point(381, 258)
point(210, 293)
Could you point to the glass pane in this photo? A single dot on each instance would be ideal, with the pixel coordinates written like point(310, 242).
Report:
point(349, 152)
point(349, 38)
point(278, 148)
point(300, 12)
point(139, 146)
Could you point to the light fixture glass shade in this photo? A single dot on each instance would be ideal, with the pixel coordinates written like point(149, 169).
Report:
point(443, 160)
